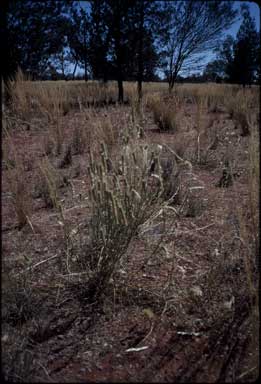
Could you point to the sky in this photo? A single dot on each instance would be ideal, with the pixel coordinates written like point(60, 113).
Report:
point(254, 11)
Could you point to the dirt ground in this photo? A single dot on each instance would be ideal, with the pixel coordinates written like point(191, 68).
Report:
point(183, 315)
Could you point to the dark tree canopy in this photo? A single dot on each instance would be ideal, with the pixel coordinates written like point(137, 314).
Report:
point(34, 31)
point(126, 40)
point(245, 51)
point(240, 57)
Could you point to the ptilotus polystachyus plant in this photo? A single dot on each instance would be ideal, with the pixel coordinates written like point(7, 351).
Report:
point(123, 197)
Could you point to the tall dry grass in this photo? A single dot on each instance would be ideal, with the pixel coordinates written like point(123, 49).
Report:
point(17, 182)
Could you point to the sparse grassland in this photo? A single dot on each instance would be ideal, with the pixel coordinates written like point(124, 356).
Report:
point(133, 225)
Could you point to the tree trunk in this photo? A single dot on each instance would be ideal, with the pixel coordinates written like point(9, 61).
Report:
point(119, 71)
point(105, 74)
point(172, 82)
point(85, 70)
point(171, 85)
point(140, 54)
point(7, 66)
point(63, 73)
point(120, 90)
point(74, 70)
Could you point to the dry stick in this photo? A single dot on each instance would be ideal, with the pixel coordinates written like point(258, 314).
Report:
point(198, 228)
point(44, 369)
point(37, 264)
point(246, 372)
point(178, 157)
point(162, 236)
point(30, 223)
point(198, 148)
point(185, 232)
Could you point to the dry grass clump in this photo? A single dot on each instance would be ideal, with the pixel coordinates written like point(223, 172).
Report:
point(52, 103)
point(107, 132)
point(124, 195)
point(52, 100)
point(247, 236)
point(18, 362)
point(18, 299)
point(47, 145)
point(254, 182)
point(20, 195)
point(170, 177)
point(19, 305)
point(20, 89)
point(239, 106)
point(66, 160)
point(193, 204)
point(79, 141)
point(48, 183)
point(102, 129)
point(164, 114)
point(204, 139)
point(214, 92)
point(18, 184)
point(93, 93)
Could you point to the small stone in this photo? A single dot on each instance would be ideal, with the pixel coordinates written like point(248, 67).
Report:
point(5, 338)
point(197, 291)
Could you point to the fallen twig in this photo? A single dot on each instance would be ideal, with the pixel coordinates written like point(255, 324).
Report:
point(136, 349)
point(37, 264)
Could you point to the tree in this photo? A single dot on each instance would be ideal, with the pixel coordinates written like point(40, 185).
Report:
point(61, 62)
point(240, 57)
point(194, 27)
point(34, 31)
point(149, 22)
point(214, 71)
point(116, 18)
point(79, 37)
point(258, 60)
point(225, 56)
point(99, 40)
point(246, 48)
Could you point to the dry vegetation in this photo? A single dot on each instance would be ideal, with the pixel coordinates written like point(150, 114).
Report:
point(130, 233)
